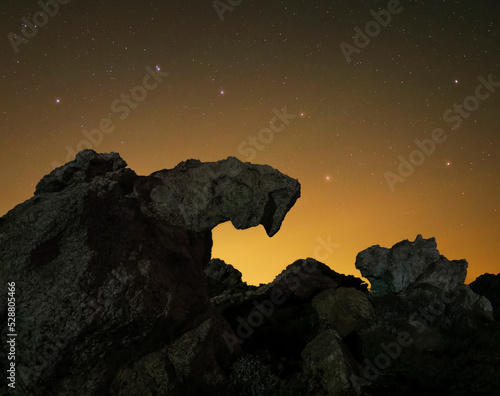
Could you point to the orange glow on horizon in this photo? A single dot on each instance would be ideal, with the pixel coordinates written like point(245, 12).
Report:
point(206, 88)
point(353, 220)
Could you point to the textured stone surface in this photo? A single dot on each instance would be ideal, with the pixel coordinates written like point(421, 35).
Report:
point(475, 303)
point(325, 365)
point(301, 280)
point(200, 196)
point(406, 263)
point(116, 295)
point(306, 278)
point(147, 376)
point(224, 277)
point(87, 165)
point(488, 286)
point(344, 308)
point(108, 274)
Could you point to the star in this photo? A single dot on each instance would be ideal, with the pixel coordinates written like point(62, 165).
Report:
point(221, 92)
point(58, 100)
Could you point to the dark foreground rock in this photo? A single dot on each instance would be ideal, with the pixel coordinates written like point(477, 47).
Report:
point(116, 294)
point(488, 285)
point(111, 294)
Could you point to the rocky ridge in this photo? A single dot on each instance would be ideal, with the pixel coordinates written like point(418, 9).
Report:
point(117, 294)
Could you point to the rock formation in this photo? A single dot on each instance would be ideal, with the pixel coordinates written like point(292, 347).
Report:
point(109, 271)
point(488, 286)
point(409, 263)
point(116, 294)
point(224, 278)
point(194, 195)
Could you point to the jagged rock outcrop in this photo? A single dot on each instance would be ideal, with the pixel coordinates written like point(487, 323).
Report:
point(280, 319)
point(199, 196)
point(488, 285)
point(110, 272)
point(313, 331)
point(224, 278)
point(300, 280)
point(409, 263)
point(116, 294)
point(194, 195)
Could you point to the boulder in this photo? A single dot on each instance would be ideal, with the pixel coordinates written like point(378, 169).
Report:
point(488, 286)
point(346, 309)
point(476, 305)
point(325, 367)
point(109, 272)
point(299, 281)
point(147, 376)
point(307, 277)
point(198, 196)
point(223, 278)
point(408, 263)
point(116, 295)
point(87, 165)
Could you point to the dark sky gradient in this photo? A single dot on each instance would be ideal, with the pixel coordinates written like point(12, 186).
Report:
point(354, 123)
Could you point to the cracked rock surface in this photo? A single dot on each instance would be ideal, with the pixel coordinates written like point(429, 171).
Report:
point(109, 272)
point(117, 294)
point(407, 263)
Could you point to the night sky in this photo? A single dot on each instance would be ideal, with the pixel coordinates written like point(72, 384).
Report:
point(317, 89)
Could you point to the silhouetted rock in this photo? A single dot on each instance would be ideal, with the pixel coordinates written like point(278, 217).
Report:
point(198, 196)
point(116, 294)
point(87, 165)
point(109, 268)
point(408, 263)
point(306, 278)
point(224, 277)
point(299, 281)
point(488, 285)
